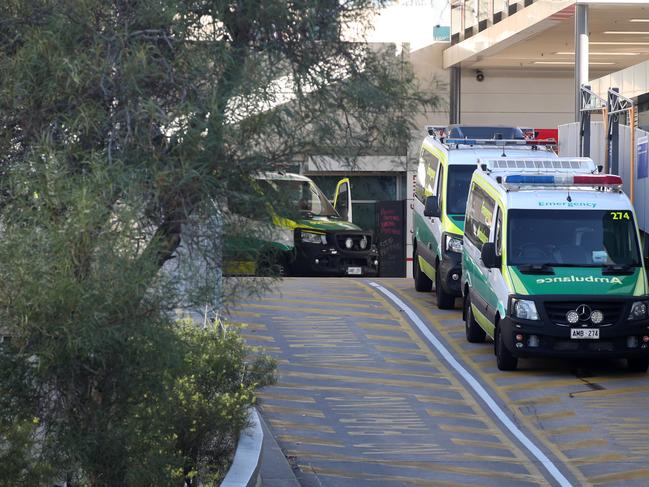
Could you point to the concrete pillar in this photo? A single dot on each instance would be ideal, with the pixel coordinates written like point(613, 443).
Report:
point(581, 55)
point(454, 98)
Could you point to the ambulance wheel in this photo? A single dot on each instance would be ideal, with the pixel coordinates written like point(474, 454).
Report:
point(272, 263)
point(504, 358)
point(638, 364)
point(422, 281)
point(474, 334)
point(444, 299)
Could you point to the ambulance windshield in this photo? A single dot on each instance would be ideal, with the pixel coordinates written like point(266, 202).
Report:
point(574, 238)
point(302, 198)
point(457, 188)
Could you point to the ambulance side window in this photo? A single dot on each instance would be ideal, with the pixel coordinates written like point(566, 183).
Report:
point(479, 216)
point(421, 177)
point(430, 163)
point(438, 189)
point(498, 237)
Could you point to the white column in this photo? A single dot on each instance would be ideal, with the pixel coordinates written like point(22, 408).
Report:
point(581, 55)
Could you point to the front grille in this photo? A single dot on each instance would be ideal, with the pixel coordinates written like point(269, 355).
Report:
point(557, 310)
point(356, 239)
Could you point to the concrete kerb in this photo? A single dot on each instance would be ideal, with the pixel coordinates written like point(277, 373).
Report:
point(244, 471)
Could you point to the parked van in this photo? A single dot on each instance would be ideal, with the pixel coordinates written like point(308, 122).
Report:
point(312, 237)
point(447, 160)
point(552, 263)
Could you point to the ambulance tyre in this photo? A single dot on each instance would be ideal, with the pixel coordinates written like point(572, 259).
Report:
point(444, 299)
point(504, 358)
point(422, 281)
point(474, 334)
point(638, 364)
point(273, 263)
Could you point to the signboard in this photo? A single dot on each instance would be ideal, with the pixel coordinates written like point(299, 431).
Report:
point(391, 237)
point(642, 157)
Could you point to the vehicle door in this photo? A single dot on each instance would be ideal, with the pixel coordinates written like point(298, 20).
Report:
point(343, 199)
point(496, 292)
point(429, 229)
point(477, 231)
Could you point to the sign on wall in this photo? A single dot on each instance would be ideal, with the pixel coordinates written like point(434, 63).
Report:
point(392, 237)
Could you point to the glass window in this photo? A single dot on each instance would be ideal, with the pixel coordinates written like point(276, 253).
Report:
point(576, 238)
point(479, 217)
point(438, 189)
point(297, 197)
point(457, 188)
point(499, 232)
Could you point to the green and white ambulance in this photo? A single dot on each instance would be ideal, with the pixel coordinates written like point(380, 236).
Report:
point(552, 263)
point(311, 237)
point(447, 160)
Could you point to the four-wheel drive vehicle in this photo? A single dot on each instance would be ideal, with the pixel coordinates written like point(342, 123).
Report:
point(447, 160)
point(311, 237)
point(552, 263)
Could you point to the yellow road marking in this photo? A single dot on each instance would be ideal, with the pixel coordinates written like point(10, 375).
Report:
point(325, 311)
point(310, 413)
point(271, 394)
point(305, 440)
point(290, 425)
point(487, 445)
point(589, 443)
point(621, 476)
point(566, 430)
point(366, 380)
point(444, 331)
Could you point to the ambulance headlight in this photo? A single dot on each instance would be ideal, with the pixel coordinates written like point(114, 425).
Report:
point(524, 309)
point(363, 243)
point(638, 311)
point(453, 244)
point(314, 238)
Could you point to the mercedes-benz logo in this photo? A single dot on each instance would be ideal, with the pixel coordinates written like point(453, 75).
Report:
point(583, 311)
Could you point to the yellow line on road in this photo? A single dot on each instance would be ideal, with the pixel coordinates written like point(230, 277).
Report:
point(487, 379)
point(589, 443)
point(486, 445)
point(306, 440)
point(286, 410)
point(621, 477)
point(292, 426)
point(441, 465)
point(366, 380)
point(325, 311)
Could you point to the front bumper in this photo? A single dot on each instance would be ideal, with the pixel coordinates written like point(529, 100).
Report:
point(450, 269)
point(544, 337)
point(332, 260)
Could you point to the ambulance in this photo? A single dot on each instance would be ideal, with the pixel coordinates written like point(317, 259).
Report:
point(552, 263)
point(447, 159)
point(310, 236)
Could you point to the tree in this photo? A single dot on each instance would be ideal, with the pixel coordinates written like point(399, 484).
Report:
point(126, 127)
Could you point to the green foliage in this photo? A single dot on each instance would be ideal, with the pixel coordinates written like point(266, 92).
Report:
point(126, 128)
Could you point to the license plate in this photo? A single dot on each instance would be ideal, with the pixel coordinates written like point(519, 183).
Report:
point(584, 333)
point(354, 271)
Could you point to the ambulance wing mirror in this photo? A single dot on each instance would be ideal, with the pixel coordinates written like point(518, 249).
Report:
point(343, 199)
point(431, 209)
point(489, 257)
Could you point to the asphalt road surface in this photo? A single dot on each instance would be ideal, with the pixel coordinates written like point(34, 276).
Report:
point(379, 387)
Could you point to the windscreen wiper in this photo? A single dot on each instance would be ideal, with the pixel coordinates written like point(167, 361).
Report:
point(545, 269)
point(618, 269)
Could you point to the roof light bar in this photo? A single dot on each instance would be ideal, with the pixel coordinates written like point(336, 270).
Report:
point(563, 180)
point(500, 142)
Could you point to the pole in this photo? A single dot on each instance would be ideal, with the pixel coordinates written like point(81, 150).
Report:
point(456, 85)
point(581, 55)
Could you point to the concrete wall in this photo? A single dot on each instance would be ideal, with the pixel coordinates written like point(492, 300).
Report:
point(517, 98)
